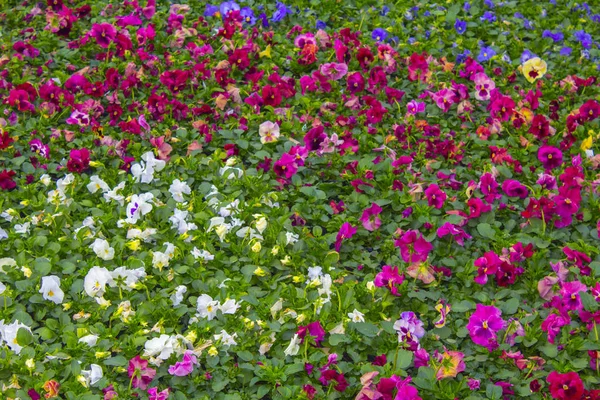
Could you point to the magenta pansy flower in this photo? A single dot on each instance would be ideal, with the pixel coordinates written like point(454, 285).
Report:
point(413, 246)
point(185, 366)
point(346, 232)
point(484, 325)
point(370, 219)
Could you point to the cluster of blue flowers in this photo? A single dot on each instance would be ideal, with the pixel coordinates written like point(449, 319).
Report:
point(227, 7)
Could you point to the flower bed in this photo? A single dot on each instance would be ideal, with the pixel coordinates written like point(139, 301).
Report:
point(247, 201)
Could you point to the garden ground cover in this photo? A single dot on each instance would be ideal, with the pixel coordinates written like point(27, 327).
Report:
point(259, 200)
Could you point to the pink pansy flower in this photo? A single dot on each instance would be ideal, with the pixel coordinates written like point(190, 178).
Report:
point(370, 219)
point(185, 366)
point(346, 232)
point(104, 34)
point(484, 324)
point(334, 71)
point(451, 229)
point(413, 246)
point(435, 196)
point(154, 394)
point(389, 277)
point(483, 86)
point(139, 372)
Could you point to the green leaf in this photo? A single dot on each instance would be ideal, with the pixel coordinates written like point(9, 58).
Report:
point(24, 337)
point(549, 350)
point(486, 230)
point(42, 266)
point(493, 391)
point(404, 359)
point(510, 306)
point(588, 301)
point(366, 328)
point(117, 361)
point(245, 355)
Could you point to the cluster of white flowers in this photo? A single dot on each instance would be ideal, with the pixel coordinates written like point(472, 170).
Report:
point(207, 307)
point(98, 278)
point(161, 259)
point(59, 195)
point(96, 184)
point(161, 348)
point(144, 170)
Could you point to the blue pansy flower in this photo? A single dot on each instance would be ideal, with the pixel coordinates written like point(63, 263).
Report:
point(379, 34)
point(565, 51)
point(462, 56)
point(519, 15)
point(426, 13)
point(488, 16)
point(321, 24)
point(460, 26)
point(489, 3)
point(467, 6)
point(584, 38)
point(411, 40)
point(264, 20)
point(228, 6)
point(281, 12)
point(384, 10)
point(527, 24)
point(556, 37)
point(248, 15)
point(485, 54)
point(210, 10)
point(527, 55)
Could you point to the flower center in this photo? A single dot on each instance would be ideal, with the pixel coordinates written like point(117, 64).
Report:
point(485, 325)
point(50, 293)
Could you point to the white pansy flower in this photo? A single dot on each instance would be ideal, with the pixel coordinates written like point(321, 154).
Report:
point(51, 290)
point(129, 276)
point(2, 288)
point(179, 222)
point(207, 307)
point(22, 228)
point(294, 346)
point(231, 172)
point(178, 189)
point(230, 209)
point(226, 339)
point(222, 230)
point(268, 131)
point(144, 170)
point(103, 250)
point(160, 260)
point(170, 251)
point(114, 195)
point(96, 280)
point(139, 206)
point(229, 306)
point(97, 184)
point(177, 297)
point(261, 223)
point(291, 237)
point(90, 340)
point(93, 375)
point(247, 232)
point(161, 347)
point(8, 334)
point(3, 234)
point(64, 183)
point(7, 262)
point(356, 316)
point(314, 272)
point(46, 179)
point(202, 254)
